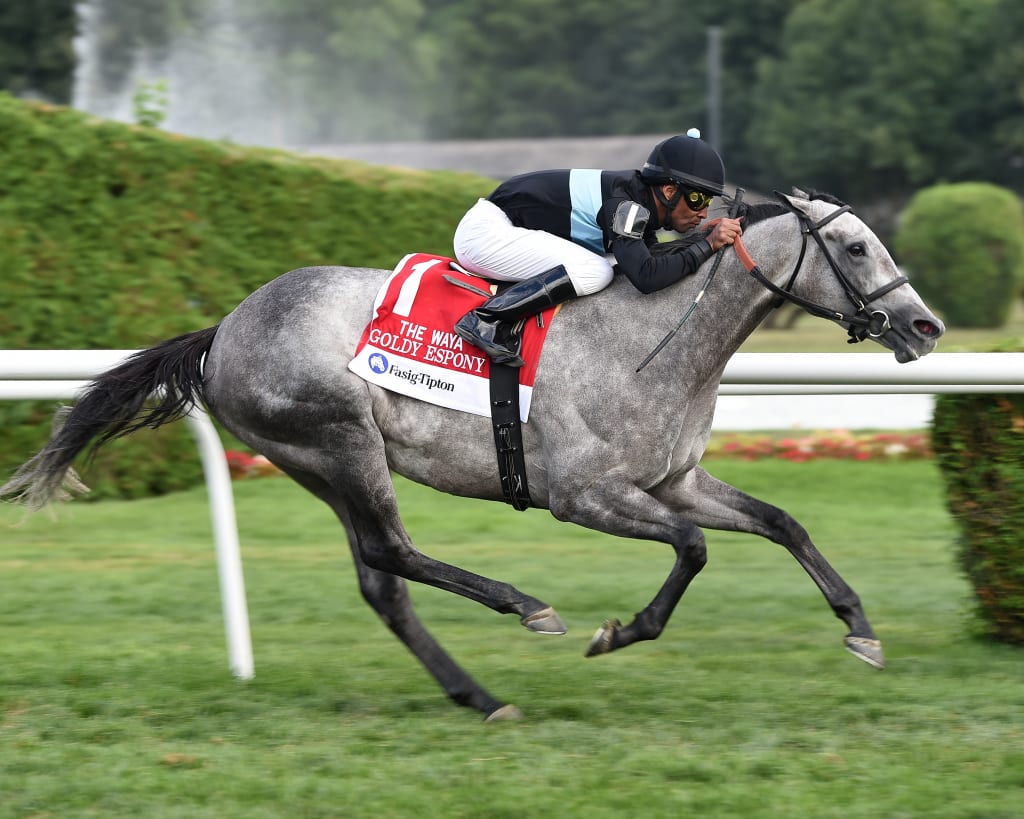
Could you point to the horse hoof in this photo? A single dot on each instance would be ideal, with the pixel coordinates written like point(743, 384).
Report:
point(866, 649)
point(507, 713)
point(545, 621)
point(601, 642)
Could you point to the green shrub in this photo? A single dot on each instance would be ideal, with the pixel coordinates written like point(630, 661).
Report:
point(963, 246)
point(117, 236)
point(149, 103)
point(979, 445)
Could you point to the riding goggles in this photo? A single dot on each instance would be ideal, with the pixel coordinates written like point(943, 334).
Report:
point(696, 200)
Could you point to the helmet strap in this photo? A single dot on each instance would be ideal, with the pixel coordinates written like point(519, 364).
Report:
point(668, 204)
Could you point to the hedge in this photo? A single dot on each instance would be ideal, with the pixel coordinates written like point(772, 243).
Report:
point(119, 236)
point(979, 446)
point(963, 245)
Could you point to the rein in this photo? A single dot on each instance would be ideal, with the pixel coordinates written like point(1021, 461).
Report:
point(733, 211)
point(862, 323)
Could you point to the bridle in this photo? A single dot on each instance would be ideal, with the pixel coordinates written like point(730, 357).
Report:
point(863, 323)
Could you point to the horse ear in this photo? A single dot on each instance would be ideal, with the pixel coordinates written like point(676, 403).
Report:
point(801, 194)
point(797, 202)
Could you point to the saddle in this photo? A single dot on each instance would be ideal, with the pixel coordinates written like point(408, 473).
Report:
point(409, 346)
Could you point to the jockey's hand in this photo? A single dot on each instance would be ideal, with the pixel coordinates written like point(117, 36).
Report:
point(724, 231)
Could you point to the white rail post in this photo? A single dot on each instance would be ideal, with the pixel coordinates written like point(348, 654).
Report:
point(44, 375)
point(225, 532)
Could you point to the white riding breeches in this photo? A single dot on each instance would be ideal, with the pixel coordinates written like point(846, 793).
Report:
point(488, 244)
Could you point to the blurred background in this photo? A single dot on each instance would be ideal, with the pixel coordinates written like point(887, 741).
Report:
point(874, 101)
point(868, 99)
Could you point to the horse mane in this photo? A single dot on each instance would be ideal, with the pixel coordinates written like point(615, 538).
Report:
point(751, 214)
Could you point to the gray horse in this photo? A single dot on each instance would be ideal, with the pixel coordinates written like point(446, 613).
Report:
point(607, 446)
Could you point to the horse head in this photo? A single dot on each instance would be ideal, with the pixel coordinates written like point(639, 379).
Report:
point(848, 276)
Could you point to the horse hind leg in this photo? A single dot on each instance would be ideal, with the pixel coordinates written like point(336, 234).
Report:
point(352, 476)
point(388, 595)
point(369, 498)
point(383, 545)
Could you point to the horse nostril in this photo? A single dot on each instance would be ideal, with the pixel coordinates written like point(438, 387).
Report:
point(927, 328)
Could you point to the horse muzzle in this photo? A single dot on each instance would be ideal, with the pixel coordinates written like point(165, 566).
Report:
point(910, 338)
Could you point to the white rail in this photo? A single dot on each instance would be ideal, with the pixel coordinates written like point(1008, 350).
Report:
point(838, 373)
point(812, 372)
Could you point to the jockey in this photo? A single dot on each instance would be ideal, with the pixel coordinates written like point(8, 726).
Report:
point(562, 234)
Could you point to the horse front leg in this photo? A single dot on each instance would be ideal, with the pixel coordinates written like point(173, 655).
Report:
point(618, 508)
point(691, 556)
point(714, 504)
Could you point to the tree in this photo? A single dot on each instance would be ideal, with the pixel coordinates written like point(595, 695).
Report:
point(869, 99)
point(341, 70)
point(37, 56)
point(124, 30)
point(508, 69)
point(994, 119)
point(862, 101)
point(751, 33)
point(268, 70)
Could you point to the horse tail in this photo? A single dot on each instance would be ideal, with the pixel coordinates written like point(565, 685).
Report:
point(115, 404)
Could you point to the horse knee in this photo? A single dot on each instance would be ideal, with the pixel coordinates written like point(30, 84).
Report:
point(381, 590)
point(396, 561)
point(696, 556)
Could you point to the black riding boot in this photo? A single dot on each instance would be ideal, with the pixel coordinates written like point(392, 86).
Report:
point(494, 325)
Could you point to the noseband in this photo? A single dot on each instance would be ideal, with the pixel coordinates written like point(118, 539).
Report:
point(863, 323)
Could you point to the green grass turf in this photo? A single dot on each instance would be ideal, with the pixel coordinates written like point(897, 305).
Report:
point(115, 698)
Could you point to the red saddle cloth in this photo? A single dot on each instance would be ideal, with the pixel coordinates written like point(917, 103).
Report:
point(410, 346)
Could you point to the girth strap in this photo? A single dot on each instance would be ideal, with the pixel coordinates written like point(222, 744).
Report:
point(508, 436)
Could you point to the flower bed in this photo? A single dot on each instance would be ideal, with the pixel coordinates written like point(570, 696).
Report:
point(809, 446)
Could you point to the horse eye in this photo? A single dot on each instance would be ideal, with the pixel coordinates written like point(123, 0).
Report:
point(857, 249)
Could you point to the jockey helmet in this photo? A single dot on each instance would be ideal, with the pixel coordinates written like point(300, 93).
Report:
point(687, 161)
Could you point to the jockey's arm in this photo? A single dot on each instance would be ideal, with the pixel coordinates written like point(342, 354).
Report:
point(651, 273)
point(630, 233)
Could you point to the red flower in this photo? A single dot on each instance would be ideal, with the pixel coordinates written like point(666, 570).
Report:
point(246, 465)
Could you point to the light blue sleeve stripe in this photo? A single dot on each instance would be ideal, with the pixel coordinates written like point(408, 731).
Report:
point(585, 196)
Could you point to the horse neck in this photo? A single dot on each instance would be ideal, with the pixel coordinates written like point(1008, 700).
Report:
point(733, 305)
point(774, 245)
